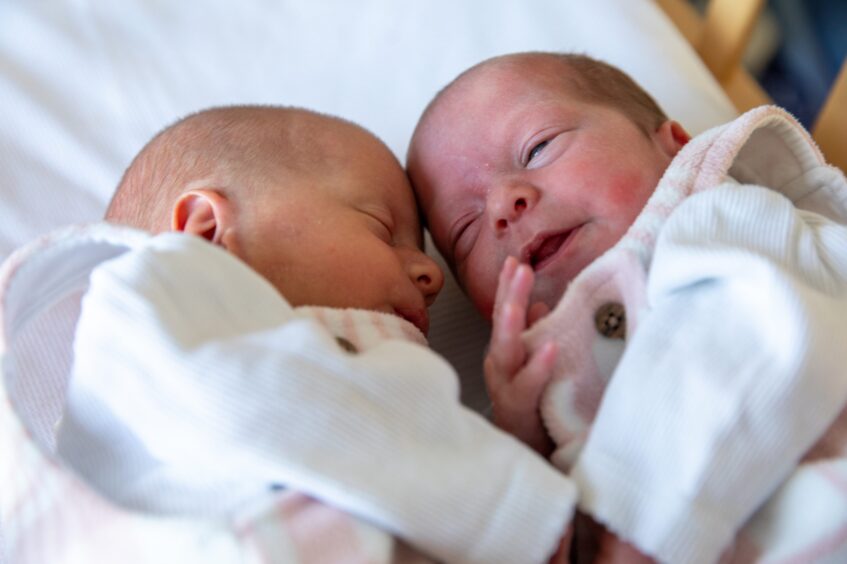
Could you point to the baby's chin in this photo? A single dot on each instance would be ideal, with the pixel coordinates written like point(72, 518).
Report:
point(549, 291)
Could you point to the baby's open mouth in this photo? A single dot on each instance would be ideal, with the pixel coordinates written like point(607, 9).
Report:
point(545, 246)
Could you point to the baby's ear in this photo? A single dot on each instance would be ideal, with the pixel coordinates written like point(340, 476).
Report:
point(671, 137)
point(204, 212)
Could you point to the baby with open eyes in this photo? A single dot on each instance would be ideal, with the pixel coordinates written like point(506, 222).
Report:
point(271, 334)
point(663, 308)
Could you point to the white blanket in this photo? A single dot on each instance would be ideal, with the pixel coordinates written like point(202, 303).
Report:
point(733, 365)
point(197, 388)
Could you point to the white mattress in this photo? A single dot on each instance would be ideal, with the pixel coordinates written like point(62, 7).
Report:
point(84, 84)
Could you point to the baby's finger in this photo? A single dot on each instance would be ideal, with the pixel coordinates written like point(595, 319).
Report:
point(518, 291)
point(504, 282)
point(535, 376)
point(506, 350)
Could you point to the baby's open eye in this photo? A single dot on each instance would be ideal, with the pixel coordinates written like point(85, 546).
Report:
point(536, 151)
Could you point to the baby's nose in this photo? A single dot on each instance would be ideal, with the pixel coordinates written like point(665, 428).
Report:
point(426, 275)
point(509, 203)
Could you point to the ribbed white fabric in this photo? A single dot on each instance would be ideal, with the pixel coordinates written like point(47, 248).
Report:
point(735, 357)
point(735, 373)
point(194, 369)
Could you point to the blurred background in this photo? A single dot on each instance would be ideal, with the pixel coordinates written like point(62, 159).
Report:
point(796, 52)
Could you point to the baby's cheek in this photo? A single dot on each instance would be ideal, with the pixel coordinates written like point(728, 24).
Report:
point(480, 284)
point(629, 191)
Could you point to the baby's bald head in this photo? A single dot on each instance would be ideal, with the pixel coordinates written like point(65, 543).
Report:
point(574, 75)
point(233, 149)
point(318, 206)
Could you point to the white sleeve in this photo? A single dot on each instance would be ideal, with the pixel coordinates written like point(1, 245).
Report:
point(216, 371)
point(736, 371)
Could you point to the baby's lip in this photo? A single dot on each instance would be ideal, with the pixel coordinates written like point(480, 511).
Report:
point(418, 317)
point(538, 252)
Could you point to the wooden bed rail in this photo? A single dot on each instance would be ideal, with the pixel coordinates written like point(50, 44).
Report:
point(720, 38)
point(830, 129)
point(726, 32)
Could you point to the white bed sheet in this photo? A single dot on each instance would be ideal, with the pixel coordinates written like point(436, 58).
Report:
point(84, 84)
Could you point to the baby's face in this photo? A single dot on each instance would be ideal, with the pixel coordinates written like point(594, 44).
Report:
point(349, 238)
point(507, 164)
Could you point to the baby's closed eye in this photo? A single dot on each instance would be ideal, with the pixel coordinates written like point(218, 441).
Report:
point(463, 237)
point(380, 228)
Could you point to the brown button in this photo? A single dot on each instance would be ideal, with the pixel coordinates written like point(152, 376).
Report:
point(346, 345)
point(610, 320)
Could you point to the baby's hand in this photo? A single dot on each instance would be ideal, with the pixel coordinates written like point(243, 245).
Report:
point(514, 379)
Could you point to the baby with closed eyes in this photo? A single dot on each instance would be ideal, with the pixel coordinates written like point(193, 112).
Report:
point(268, 331)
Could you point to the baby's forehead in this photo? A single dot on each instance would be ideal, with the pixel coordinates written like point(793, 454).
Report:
point(499, 84)
point(312, 146)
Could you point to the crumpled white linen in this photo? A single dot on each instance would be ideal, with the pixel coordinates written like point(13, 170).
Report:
point(192, 372)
